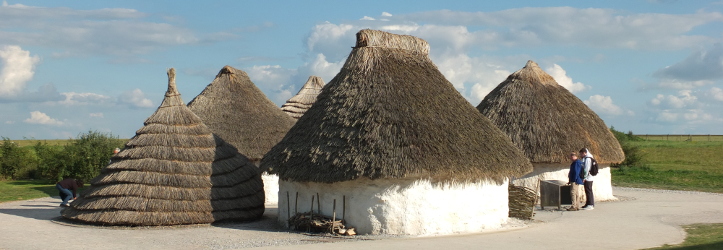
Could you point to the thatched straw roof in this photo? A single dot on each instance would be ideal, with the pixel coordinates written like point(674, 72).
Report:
point(546, 121)
point(237, 111)
point(302, 101)
point(390, 113)
point(173, 171)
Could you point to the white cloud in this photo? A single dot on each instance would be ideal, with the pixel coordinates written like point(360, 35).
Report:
point(274, 81)
point(689, 116)
point(319, 67)
point(702, 65)
point(590, 27)
point(37, 117)
point(667, 116)
point(684, 99)
point(96, 115)
point(135, 98)
point(332, 40)
point(716, 93)
point(605, 105)
point(110, 31)
point(682, 84)
point(16, 69)
point(72, 98)
point(386, 14)
point(367, 18)
point(561, 77)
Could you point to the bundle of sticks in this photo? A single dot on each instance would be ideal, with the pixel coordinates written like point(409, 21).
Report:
point(522, 202)
point(318, 223)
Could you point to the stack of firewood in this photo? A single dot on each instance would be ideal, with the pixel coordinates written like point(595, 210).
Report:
point(522, 202)
point(318, 223)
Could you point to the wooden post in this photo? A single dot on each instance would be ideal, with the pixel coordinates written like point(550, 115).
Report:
point(296, 204)
point(288, 206)
point(318, 203)
point(343, 207)
point(312, 207)
point(333, 216)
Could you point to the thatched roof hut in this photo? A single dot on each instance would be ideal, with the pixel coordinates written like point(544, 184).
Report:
point(387, 123)
point(547, 122)
point(297, 105)
point(173, 171)
point(237, 111)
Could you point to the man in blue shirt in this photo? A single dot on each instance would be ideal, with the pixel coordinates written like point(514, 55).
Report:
point(574, 179)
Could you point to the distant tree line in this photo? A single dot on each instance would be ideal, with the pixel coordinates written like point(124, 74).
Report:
point(82, 158)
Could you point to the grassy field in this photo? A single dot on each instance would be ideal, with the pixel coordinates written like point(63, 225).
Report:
point(25, 190)
point(682, 137)
point(679, 165)
point(700, 237)
point(23, 143)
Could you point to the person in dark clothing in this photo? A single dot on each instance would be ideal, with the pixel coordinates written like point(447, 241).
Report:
point(575, 181)
point(68, 188)
point(587, 179)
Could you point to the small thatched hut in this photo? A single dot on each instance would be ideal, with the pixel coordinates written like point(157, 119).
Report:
point(173, 171)
point(238, 112)
point(547, 122)
point(397, 147)
point(297, 105)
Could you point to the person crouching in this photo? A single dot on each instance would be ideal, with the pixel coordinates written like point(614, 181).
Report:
point(67, 189)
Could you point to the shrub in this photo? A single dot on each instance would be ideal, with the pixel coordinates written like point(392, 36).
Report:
point(85, 156)
point(17, 162)
point(633, 158)
point(52, 161)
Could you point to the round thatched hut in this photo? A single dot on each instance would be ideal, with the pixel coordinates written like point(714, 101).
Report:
point(397, 147)
point(297, 105)
point(238, 112)
point(173, 171)
point(547, 122)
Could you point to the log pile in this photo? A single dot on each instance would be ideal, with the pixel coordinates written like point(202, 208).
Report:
point(318, 223)
point(522, 202)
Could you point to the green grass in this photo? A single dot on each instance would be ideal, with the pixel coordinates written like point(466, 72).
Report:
point(25, 190)
point(24, 143)
point(60, 142)
point(677, 165)
point(700, 237)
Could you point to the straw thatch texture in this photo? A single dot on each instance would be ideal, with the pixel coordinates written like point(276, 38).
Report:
point(173, 171)
point(237, 111)
point(390, 113)
point(546, 121)
point(297, 105)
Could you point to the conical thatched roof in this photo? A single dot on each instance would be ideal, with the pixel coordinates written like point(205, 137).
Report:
point(173, 171)
point(302, 101)
point(237, 111)
point(390, 113)
point(546, 121)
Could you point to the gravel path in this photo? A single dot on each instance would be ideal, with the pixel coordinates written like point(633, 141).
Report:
point(642, 218)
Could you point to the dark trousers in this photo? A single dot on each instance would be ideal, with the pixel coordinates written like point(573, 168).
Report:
point(64, 193)
point(588, 193)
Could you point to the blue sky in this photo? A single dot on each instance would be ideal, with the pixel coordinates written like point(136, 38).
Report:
point(67, 67)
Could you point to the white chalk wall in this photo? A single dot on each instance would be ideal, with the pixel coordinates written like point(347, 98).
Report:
point(271, 189)
point(412, 207)
point(271, 186)
point(602, 186)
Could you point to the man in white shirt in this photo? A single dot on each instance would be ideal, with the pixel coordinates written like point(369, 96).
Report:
point(586, 157)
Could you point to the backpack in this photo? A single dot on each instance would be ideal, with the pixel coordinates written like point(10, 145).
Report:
point(593, 167)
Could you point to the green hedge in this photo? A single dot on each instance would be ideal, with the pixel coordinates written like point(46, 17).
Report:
point(82, 158)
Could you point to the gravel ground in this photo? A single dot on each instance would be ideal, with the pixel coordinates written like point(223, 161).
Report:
point(640, 218)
